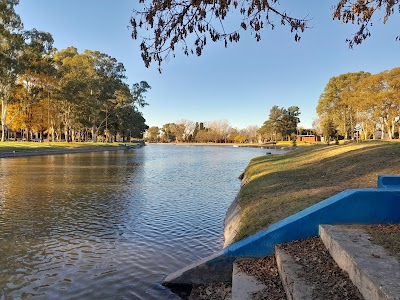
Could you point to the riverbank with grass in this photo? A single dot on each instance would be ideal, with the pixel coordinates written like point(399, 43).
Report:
point(277, 186)
point(20, 149)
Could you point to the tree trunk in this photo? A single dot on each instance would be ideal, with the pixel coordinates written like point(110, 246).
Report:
point(344, 125)
point(94, 134)
point(393, 126)
point(52, 133)
point(4, 106)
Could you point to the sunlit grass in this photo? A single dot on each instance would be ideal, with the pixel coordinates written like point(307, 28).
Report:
point(27, 146)
point(280, 185)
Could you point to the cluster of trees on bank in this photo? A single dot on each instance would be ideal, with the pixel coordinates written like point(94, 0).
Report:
point(281, 124)
point(219, 131)
point(361, 103)
point(62, 94)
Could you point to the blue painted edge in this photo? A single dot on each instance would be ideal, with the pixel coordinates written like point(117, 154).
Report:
point(363, 206)
point(389, 181)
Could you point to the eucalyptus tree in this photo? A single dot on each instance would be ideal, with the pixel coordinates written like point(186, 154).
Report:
point(127, 122)
point(334, 102)
point(391, 99)
point(93, 91)
point(11, 52)
point(362, 100)
point(138, 91)
point(381, 100)
point(25, 64)
point(190, 25)
point(75, 75)
point(36, 77)
point(114, 99)
point(108, 90)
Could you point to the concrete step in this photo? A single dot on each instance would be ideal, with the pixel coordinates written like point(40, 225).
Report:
point(376, 274)
point(257, 279)
point(243, 284)
point(308, 272)
point(295, 286)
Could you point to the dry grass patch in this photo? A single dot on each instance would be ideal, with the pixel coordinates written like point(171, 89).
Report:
point(280, 185)
point(387, 236)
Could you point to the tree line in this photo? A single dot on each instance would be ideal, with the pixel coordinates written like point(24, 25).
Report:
point(281, 125)
point(361, 104)
point(218, 131)
point(62, 94)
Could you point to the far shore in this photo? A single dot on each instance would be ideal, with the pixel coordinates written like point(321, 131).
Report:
point(277, 145)
point(18, 149)
point(23, 149)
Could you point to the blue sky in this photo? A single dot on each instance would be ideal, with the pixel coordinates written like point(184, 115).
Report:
point(239, 84)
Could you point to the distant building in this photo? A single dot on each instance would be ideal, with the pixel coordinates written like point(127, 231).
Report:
point(308, 138)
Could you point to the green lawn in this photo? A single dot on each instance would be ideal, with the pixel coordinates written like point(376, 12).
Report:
point(281, 185)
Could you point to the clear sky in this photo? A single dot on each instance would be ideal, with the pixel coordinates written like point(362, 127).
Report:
point(239, 84)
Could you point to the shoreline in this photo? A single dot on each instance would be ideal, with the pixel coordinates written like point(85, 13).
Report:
point(235, 145)
point(55, 151)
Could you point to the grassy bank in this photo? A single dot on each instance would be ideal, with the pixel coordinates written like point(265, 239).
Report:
point(280, 185)
point(29, 147)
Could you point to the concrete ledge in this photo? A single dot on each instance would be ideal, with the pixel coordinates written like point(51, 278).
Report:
point(232, 222)
point(214, 268)
point(373, 272)
point(295, 286)
point(363, 206)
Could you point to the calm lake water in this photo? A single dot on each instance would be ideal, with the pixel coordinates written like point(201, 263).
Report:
point(112, 225)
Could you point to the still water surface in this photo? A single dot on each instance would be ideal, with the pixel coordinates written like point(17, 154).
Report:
point(112, 225)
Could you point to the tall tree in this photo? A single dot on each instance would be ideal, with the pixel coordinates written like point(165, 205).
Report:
point(334, 103)
point(153, 134)
point(38, 72)
point(281, 123)
point(168, 132)
point(11, 53)
point(380, 94)
point(329, 131)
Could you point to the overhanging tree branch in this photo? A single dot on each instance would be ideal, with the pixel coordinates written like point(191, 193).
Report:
point(171, 22)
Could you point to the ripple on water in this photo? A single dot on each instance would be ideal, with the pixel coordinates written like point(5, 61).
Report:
point(114, 224)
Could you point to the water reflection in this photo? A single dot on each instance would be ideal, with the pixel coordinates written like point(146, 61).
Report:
point(114, 224)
